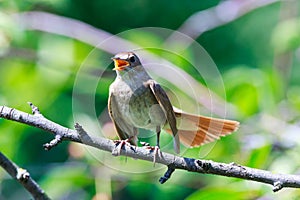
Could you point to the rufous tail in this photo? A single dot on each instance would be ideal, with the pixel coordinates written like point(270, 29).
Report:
point(196, 130)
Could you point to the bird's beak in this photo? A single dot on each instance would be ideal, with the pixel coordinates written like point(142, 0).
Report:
point(120, 64)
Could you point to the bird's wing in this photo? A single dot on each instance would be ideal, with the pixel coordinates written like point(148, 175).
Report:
point(166, 106)
point(124, 130)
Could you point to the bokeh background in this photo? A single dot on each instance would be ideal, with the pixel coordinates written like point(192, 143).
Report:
point(255, 45)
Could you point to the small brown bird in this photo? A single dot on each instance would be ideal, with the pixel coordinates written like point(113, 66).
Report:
point(137, 101)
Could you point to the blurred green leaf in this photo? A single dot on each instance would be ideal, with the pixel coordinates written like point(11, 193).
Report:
point(286, 36)
point(223, 193)
point(258, 157)
point(62, 180)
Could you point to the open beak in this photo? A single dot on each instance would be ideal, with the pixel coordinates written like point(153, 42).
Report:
point(120, 64)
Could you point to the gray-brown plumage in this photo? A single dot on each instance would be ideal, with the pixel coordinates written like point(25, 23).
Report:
point(137, 101)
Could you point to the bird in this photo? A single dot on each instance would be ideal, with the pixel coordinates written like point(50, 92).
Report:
point(137, 101)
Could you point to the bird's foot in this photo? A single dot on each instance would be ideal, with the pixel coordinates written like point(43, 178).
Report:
point(145, 144)
point(119, 145)
point(155, 150)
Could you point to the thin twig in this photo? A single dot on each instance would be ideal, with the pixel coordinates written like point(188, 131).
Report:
point(168, 174)
point(23, 177)
point(211, 18)
point(278, 181)
point(224, 13)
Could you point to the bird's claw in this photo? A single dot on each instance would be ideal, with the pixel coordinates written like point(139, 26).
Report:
point(119, 145)
point(155, 150)
point(145, 144)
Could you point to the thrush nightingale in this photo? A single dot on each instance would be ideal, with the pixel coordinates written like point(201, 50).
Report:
point(137, 101)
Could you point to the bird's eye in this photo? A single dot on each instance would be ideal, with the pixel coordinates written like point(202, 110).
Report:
point(132, 59)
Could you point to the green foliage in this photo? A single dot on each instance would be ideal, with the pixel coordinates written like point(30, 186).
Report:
point(223, 193)
point(43, 67)
point(258, 156)
point(286, 36)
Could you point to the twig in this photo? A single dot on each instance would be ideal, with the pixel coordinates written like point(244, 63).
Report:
point(211, 18)
point(35, 110)
point(57, 139)
point(224, 13)
point(23, 177)
point(278, 181)
point(168, 174)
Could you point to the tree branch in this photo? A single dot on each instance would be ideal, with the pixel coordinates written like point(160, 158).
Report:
point(23, 177)
point(278, 181)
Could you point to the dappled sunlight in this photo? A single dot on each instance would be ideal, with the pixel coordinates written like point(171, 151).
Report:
point(232, 59)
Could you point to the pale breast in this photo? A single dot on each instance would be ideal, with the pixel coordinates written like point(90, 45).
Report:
point(144, 110)
point(122, 93)
point(139, 107)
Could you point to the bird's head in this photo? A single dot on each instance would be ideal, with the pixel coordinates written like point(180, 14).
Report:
point(125, 61)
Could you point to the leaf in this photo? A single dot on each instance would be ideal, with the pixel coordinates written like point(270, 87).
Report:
point(286, 36)
point(222, 193)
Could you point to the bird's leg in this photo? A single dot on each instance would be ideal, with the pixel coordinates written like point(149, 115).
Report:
point(156, 148)
point(157, 135)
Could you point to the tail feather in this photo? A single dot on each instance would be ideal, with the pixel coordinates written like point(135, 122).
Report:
point(194, 130)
